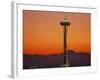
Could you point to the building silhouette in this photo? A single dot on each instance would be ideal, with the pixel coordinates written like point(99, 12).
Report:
point(65, 25)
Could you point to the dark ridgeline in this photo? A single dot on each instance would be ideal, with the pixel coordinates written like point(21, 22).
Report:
point(79, 59)
point(56, 60)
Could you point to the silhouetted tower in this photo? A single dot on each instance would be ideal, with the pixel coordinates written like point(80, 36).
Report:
point(65, 25)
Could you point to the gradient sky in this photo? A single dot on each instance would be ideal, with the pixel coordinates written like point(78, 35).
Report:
point(43, 33)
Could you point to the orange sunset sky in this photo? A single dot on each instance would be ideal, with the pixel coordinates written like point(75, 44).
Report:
point(43, 34)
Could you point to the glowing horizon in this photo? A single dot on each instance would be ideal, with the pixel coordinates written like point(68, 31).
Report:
point(43, 33)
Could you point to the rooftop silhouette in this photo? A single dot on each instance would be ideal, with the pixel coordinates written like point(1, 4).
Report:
point(56, 60)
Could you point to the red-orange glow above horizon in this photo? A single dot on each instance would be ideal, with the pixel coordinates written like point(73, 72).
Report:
point(43, 33)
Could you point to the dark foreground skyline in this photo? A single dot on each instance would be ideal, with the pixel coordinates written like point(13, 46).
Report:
point(76, 59)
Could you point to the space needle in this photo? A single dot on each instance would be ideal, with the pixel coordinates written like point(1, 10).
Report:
point(65, 23)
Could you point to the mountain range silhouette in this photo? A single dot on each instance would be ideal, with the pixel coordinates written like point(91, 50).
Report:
point(56, 60)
